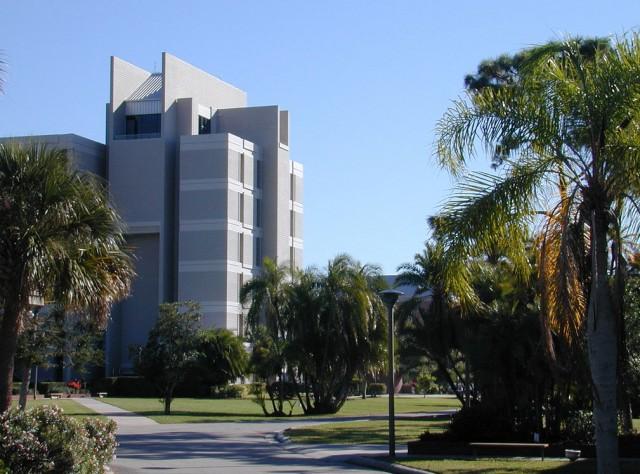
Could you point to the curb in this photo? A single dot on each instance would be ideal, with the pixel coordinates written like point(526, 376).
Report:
point(281, 438)
point(385, 466)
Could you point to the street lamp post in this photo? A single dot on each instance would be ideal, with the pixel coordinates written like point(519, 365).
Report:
point(389, 297)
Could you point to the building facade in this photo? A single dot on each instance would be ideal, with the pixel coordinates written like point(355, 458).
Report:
point(205, 186)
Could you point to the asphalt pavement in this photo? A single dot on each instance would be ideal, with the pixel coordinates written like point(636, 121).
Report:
point(240, 447)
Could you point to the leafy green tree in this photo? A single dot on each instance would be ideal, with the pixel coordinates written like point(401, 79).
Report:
point(59, 239)
point(37, 344)
point(171, 349)
point(426, 382)
point(221, 358)
point(570, 130)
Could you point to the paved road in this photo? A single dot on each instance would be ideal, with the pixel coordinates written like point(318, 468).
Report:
point(234, 448)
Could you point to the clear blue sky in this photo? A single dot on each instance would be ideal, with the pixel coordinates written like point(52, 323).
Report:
point(365, 82)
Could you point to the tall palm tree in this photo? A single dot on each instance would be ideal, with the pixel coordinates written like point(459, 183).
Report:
point(59, 239)
point(337, 330)
point(570, 122)
point(268, 320)
point(433, 328)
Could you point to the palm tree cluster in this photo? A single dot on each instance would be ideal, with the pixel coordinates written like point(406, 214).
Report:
point(60, 240)
point(564, 131)
point(313, 331)
point(490, 355)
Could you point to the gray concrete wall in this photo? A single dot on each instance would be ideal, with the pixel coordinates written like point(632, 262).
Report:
point(261, 125)
point(84, 154)
point(136, 315)
point(210, 194)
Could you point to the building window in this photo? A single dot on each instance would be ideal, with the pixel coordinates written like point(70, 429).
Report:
point(240, 284)
point(292, 257)
point(257, 213)
point(257, 251)
point(258, 176)
point(293, 187)
point(241, 173)
point(241, 248)
point(144, 124)
point(204, 125)
point(241, 325)
point(241, 207)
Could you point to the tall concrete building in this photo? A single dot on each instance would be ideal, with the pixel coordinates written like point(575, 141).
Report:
point(205, 186)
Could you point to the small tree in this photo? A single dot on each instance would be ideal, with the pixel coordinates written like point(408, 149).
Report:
point(171, 348)
point(37, 343)
point(426, 382)
point(221, 357)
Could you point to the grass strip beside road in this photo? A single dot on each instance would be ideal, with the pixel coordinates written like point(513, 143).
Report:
point(70, 407)
point(364, 432)
point(513, 466)
point(200, 410)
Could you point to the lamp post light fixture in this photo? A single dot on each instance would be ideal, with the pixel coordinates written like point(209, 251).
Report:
point(390, 297)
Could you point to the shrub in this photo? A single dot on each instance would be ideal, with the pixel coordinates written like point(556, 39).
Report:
point(45, 388)
point(124, 386)
point(481, 423)
point(579, 427)
point(229, 391)
point(408, 388)
point(15, 390)
point(44, 440)
point(375, 389)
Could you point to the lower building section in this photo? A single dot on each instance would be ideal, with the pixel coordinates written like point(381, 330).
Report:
point(133, 318)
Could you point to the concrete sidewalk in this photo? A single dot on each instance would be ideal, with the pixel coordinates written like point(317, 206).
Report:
point(122, 417)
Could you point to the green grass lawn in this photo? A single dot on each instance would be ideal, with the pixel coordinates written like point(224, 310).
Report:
point(364, 432)
point(70, 407)
point(196, 410)
point(512, 466)
point(636, 424)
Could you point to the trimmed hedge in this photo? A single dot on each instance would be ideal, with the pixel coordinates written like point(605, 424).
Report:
point(375, 389)
point(44, 440)
point(124, 386)
point(229, 391)
point(15, 390)
point(408, 388)
point(45, 388)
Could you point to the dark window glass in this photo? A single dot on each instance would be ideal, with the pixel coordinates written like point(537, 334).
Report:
point(204, 125)
point(258, 213)
point(257, 251)
point(258, 176)
point(143, 124)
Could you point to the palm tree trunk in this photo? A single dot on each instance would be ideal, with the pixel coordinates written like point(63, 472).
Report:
point(24, 388)
point(603, 353)
point(9, 338)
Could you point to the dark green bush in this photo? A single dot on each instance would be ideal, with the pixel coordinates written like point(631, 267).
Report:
point(481, 423)
point(45, 388)
point(124, 386)
point(15, 390)
point(375, 389)
point(408, 388)
point(579, 427)
point(44, 440)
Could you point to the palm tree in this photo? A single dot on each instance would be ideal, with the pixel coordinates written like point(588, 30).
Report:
point(571, 128)
point(59, 239)
point(337, 330)
point(432, 327)
point(267, 322)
